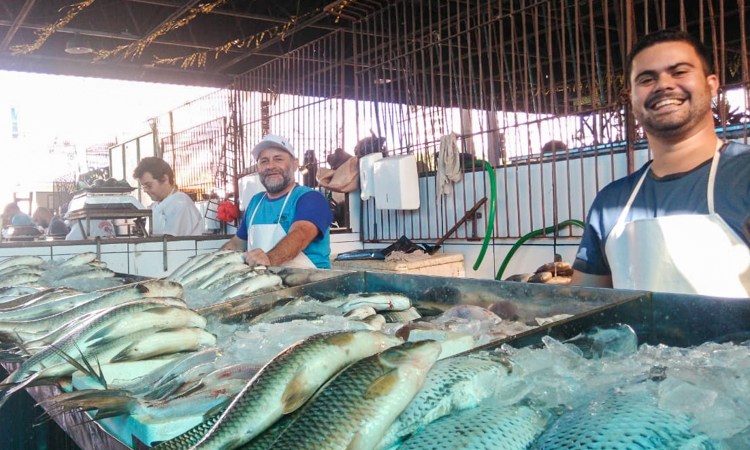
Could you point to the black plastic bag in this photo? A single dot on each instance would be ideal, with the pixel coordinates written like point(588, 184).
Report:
point(403, 244)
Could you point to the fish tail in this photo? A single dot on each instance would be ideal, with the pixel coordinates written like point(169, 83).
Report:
point(107, 403)
point(9, 387)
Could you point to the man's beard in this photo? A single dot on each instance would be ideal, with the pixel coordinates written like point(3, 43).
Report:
point(274, 187)
point(675, 124)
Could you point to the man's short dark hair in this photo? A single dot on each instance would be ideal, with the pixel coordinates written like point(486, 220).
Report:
point(157, 167)
point(662, 36)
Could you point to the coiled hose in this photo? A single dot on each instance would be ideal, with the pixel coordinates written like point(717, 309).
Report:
point(491, 216)
point(532, 234)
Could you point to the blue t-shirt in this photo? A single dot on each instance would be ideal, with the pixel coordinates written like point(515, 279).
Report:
point(683, 193)
point(304, 204)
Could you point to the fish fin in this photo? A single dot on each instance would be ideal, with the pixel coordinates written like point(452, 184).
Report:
point(382, 385)
point(84, 366)
point(297, 392)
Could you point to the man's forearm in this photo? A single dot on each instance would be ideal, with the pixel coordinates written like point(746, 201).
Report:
point(288, 248)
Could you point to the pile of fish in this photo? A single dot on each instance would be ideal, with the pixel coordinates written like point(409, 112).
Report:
point(360, 371)
point(225, 273)
point(49, 333)
point(22, 273)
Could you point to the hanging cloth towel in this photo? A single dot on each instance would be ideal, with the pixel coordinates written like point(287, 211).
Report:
point(448, 164)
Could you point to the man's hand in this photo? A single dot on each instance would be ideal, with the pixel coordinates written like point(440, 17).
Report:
point(257, 257)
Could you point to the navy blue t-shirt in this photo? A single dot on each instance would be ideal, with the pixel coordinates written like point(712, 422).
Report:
point(683, 193)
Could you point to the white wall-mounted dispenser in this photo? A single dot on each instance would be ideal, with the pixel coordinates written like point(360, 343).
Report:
point(249, 186)
point(367, 175)
point(396, 183)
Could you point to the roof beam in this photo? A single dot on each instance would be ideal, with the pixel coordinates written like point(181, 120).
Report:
point(16, 24)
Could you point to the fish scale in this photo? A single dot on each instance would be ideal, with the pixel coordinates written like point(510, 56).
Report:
point(454, 383)
point(354, 409)
point(486, 427)
point(623, 421)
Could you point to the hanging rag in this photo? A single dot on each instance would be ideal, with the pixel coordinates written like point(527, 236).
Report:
point(448, 164)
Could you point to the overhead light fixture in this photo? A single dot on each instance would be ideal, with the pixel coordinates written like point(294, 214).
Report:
point(78, 45)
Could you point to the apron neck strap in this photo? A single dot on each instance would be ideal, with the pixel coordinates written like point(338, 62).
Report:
point(709, 188)
point(283, 207)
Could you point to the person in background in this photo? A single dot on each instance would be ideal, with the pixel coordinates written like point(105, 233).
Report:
point(288, 225)
point(173, 212)
point(676, 224)
point(12, 215)
point(42, 216)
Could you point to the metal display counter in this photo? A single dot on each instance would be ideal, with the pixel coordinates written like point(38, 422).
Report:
point(670, 319)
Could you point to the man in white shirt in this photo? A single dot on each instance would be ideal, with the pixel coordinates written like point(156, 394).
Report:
point(174, 213)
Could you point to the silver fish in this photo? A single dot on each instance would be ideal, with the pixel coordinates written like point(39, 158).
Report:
point(75, 340)
point(294, 310)
point(171, 340)
point(487, 427)
point(253, 284)
point(381, 301)
point(207, 268)
point(142, 385)
point(354, 409)
point(21, 279)
point(195, 262)
point(80, 259)
point(623, 420)
point(111, 403)
point(21, 261)
point(238, 267)
point(287, 382)
point(455, 383)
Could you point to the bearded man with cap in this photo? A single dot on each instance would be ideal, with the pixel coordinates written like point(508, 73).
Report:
point(288, 225)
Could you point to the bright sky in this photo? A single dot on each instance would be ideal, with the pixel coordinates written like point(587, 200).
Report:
point(53, 109)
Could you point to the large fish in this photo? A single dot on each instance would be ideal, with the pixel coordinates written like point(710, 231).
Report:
point(36, 296)
point(210, 265)
point(195, 262)
point(623, 420)
point(21, 261)
point(167, 341)
point(487, 427)
point(252, 284)
point(453, 384)
point(237, 267)
point(353, 410)
point(20, 279)
point(380, 301)
point(286, 383)
point(32, 328)
point(80, 259)
point(111, 403)
point(74, 342)
point(172, 315)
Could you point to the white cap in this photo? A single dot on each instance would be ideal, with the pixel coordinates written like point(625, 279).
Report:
point(273, 141)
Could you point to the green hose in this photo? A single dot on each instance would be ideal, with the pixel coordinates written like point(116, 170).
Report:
point(491, 217)
point(530, 235)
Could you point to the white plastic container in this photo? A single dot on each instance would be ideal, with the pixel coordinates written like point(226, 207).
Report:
point(249, 186)
point(367, 175)
point(396, 183)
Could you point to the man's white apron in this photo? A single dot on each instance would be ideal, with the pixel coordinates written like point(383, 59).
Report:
point(685, 254)
point(266, 236)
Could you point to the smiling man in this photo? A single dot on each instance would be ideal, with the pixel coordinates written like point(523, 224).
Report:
point(288, 225)
point(676, 224)
point(173, 212)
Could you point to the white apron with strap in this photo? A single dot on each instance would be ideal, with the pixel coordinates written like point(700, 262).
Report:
point(684, 254)
point(266, 236)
